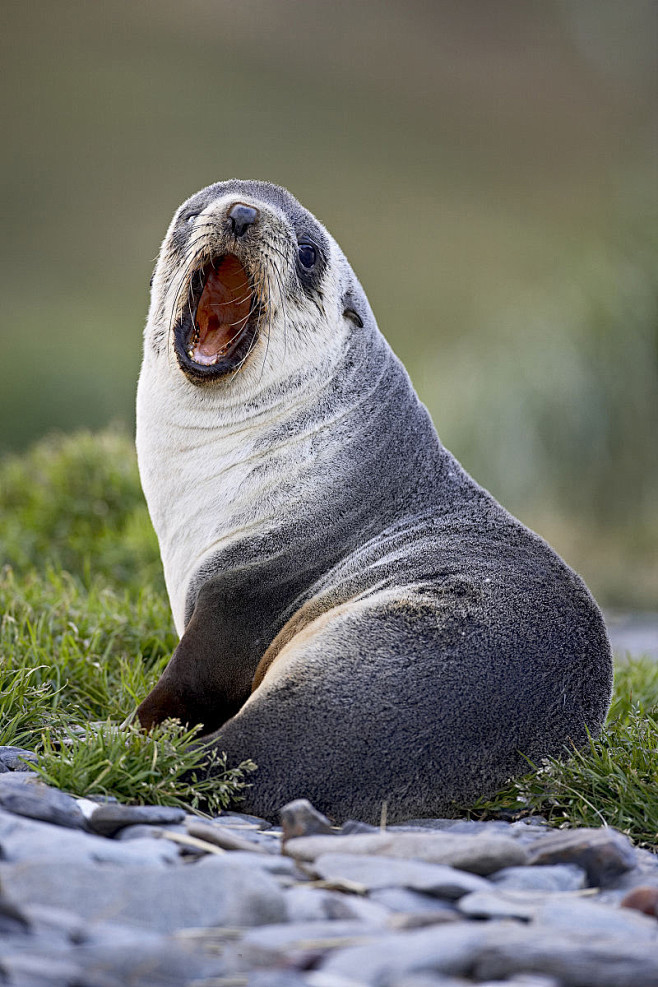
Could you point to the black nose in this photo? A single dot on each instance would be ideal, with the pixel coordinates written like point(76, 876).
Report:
point(242, 217)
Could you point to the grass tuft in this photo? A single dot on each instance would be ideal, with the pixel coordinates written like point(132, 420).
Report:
point(163, 767)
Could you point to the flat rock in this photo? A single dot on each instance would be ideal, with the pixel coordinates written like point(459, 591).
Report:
point(390, 872)
point(44, 971)
point(269, 862)
point(603, 853)
point(221, 836)
point(415, 903)
point(108, 819)
point(522, 980)
point(24, 796)
point(499, 903)
point(16, 758)
point(300, 818)
point(242, 819)
point(552, 877)
point(153, 961)
point(600, 920)
point(575, 960)
point(469, 827)
point(478, 854)
point(146, 832)
point(12, 919)
point(214, 891)
point(320, 905)
point(23, 839)
point(293, 941)
point(448, 949)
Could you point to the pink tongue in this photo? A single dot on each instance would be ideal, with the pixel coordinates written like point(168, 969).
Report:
point(223, 310)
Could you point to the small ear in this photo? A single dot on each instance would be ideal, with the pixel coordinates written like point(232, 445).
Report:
point(354, 317)
point(350, 309)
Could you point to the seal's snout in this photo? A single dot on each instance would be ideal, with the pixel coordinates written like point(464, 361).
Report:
point(242, 217)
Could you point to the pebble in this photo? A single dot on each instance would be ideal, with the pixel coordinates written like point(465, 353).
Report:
point(96, 893)
point(300, 818)
point(603, 853)
point(221, 836)
point(556, 877)
point(23, 795)
point(388, 872)
point(15, 758)
point(110, 818)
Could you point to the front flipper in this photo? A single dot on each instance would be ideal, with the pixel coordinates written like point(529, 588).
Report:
point(205, 681)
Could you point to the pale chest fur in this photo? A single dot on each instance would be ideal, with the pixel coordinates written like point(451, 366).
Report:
point(209, 484)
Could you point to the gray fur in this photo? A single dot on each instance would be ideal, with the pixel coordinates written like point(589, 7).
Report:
point(428, 639)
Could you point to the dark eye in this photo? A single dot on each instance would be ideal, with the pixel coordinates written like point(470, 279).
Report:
point(307, 255)
point(191, 216)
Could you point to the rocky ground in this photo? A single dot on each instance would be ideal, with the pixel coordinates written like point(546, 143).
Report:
point(97, 894)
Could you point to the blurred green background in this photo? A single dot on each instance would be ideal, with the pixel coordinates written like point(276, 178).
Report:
point(488, 167)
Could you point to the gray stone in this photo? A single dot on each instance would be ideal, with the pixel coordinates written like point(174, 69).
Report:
point(276, 978)
point(221, 836)
point(214, 891)
point(44, 971)
point(271, 863)
point(294, 943)
point(389, 872)
point(482, 854)
point(148, 961)
point(56, 922)
point(352, 827)
point(31, 840)
point(448, 949)
point(575, 960)
point(521, 980)
point(555, 877)
point(502, 904)
point(300, 818)
point(140, 851)
point(12, 919)
point(600, 920)
point(424, 980)
point(139, 832)
point(469, 827)
point(242, 819)
point(110, 818)
point(319, 905)
point(16, 758)
point(603, 853)
point(22, 795)
point(414, 903)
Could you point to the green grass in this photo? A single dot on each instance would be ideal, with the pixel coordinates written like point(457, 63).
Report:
point(86, 631)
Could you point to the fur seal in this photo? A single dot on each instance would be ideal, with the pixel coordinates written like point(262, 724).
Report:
point(356, 614)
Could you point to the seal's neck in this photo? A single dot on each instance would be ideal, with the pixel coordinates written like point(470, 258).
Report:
point(215, 474)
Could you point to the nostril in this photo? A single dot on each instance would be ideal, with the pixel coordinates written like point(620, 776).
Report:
point(242, 217)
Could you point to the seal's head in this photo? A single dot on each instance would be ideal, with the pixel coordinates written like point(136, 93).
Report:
point(246, 276)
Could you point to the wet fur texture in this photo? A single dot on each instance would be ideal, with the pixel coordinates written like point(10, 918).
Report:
point(405, 638)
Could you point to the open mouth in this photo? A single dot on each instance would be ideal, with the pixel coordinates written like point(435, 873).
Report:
point(218, 327)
